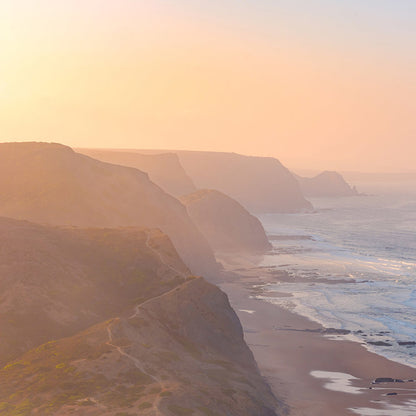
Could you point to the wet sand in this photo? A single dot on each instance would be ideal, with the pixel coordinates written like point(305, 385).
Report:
point(288, 348)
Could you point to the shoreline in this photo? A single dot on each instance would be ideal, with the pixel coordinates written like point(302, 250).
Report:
point(289, 348)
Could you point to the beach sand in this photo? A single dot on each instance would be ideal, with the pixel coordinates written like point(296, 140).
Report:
point(287, 352)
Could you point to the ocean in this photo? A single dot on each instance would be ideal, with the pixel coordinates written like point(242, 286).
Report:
point(366, 247)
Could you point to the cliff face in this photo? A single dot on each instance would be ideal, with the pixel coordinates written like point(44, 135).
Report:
point(326, 184)
point(260, 184)
point(163, 169)
point(162, 343)
point(226, 224)
point(52, 184)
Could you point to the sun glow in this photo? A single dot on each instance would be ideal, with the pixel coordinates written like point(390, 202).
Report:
point(142, 74)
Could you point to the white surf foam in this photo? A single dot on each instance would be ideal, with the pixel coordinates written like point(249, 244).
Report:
point(370, 241)
point(406, 409)
point(338, 381)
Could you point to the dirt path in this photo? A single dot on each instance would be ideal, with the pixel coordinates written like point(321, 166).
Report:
point(135, 360)
point(136, 311)
point(140, 366)
point(160, 255)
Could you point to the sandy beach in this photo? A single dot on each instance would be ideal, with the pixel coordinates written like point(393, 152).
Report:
point(312, 373)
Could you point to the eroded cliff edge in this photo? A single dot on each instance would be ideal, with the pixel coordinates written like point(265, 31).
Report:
point(225, 223)
point(160, 343)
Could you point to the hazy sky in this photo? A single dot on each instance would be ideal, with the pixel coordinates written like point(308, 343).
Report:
point(316, 83)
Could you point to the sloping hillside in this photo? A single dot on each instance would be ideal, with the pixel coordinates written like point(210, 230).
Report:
point(54, 282)
point(161, 343)
point(163, 169)
point(52, 184)
point(225, 223)
point(180, 354)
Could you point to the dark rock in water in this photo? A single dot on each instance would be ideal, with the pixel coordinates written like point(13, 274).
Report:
point(384, 380)
point(324, 331)
point(387, 380)
point(380, 343)
point(407, 342)
point(335, 331)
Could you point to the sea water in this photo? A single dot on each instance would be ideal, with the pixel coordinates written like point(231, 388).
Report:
point(353, 263)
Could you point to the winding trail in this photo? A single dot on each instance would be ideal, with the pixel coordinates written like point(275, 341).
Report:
point(148, 238)
point(136, 361)
point(139, 365)
point(181, 273)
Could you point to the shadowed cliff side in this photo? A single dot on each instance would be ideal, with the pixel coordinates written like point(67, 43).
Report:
point(164, 169)
point(326, 184)
point(52, 184)
point(260, 184)
point(225, 223)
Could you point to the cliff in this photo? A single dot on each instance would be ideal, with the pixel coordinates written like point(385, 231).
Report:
point(225, 223)
point(326, 184)
point(52, 184)
point(109, 324)
point(163, 169)
point(260, 184)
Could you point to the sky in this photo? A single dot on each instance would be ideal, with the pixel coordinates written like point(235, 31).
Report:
point(319, 84)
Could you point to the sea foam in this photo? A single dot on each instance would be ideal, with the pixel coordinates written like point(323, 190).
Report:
point(367, 248)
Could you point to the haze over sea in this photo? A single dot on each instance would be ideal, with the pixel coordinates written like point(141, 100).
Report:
point(369, 240)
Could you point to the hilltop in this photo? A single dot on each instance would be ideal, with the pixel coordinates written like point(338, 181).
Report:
point(55, 281)
point(51, 184)
point(163, 169)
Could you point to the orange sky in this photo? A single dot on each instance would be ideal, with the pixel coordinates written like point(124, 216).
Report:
point(314, 92)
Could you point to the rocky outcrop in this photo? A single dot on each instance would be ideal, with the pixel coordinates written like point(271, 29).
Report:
point(225, 223)
point(163, 343)
point(326, 184)
point(52, 184)
point(260, 184)
point(163, 169)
